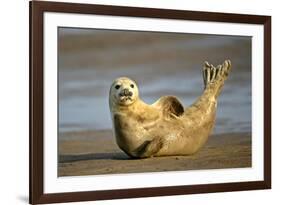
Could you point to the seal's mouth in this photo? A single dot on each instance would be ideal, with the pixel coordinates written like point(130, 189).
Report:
point(125, 98)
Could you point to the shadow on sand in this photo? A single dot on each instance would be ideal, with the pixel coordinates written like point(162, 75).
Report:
point(93, 156)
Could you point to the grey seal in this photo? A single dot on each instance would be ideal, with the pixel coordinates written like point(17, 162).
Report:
point(165, 127)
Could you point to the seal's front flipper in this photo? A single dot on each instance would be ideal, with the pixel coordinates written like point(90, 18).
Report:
point(149, 148)
point(170, 106)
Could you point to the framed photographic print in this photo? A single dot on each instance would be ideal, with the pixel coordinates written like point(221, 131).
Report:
point(134, 102)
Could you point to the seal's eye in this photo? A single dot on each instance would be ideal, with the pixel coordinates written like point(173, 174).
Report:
point(132, 85)
point(117, 87)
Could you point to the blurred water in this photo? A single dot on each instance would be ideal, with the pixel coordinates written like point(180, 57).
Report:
point(162, 64)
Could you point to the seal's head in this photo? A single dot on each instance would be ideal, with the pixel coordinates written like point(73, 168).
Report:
point(123, 92)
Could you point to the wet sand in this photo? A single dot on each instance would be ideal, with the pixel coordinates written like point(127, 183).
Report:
point(95, 152)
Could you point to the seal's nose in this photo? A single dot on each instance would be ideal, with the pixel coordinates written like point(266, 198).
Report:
point(126, 92)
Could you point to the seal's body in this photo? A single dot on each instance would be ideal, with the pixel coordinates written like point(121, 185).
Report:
point(165, 127)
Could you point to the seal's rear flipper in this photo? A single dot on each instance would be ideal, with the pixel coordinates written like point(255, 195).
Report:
point(214, 77)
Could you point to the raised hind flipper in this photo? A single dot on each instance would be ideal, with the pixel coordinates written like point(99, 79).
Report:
point(214, 77)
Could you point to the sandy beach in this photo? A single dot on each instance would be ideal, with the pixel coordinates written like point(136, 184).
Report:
point(95, 152)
